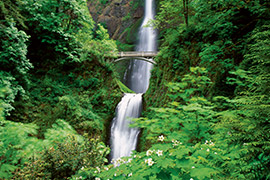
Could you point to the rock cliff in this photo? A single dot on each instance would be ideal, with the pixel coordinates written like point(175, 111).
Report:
point(121, 17)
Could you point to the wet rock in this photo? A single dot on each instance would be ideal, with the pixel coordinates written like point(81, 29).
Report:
point(116, 15)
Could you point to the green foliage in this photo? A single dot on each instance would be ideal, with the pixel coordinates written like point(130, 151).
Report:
point(14, 63)
point(59, 155)
point(257, 60)
point(53, 67)
point(54, 25)
point(66, 48)
point(61, 130)
point(63, 31)
point(79, 112)
point(216, 38)
point(127, 17)
point(72, 86)
point(194, 137)
point(10, 12)
point(214, 56)
point(170, 14)
point(136, 3)
point(85, 101)
point(103, 1)
point(124, 88)
point(2, 92)
point(166, 160)
point(64, 159)
point(248, 122)
point(10, 89)
point(124, 47)
point(184, 131)
point(16, 145)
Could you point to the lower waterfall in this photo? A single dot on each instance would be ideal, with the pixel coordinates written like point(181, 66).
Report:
point(123, 138)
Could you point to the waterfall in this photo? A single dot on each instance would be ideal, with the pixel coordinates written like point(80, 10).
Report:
point(124, 138)
point(138, 73)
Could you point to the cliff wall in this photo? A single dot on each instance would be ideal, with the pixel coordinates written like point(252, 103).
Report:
point(121, 17)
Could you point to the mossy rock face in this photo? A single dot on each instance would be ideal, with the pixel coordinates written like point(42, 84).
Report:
point(118, 16)
point(130, 35)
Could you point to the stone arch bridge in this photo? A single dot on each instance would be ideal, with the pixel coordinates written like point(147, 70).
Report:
point(147, 56)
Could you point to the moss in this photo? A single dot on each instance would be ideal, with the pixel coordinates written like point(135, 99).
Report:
point(130, 34)
point(123, 87)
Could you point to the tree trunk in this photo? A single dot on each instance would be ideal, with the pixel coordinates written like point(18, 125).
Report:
point(185, 6)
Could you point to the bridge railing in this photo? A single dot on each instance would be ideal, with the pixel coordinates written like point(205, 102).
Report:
point(138, 54)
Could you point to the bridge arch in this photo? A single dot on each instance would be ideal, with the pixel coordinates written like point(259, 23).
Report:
point(137, 58)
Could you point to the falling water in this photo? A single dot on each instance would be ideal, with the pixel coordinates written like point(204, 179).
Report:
point(124, 138)
point(138, 73)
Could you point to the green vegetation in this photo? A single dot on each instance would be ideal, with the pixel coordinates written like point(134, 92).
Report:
point(55, 87)
point(123, 87)
point(207, 108)
point(206, 113)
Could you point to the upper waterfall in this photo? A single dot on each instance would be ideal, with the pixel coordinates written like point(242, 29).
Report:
point(138, 73)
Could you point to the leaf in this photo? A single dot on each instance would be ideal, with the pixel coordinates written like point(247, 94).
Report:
point(192, 107)
point(202, 173)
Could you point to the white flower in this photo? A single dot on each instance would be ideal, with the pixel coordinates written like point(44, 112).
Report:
point(106, 168)
point(129, 160)
point(215, 152)
point(208, 150)
point(161, 138)
point(130, 174)
point(191, 178)
point(159, 153)
point(193, 167)
point(206, 142)
point(149, 152)
point(97, 178)
point(176, 143)
point(118, 160)
point(80, 177)
point(82, 168)
point(149, 162)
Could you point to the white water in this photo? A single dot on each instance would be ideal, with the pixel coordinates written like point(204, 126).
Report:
point(138, 74)
point(124, 138)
